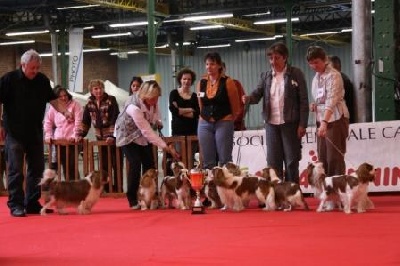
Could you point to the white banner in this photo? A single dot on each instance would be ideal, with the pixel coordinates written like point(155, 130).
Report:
point(75, 74)
point(376, 143)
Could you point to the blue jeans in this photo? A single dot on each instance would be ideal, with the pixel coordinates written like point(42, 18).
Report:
point(215, 139)
point(15, 152)
point(140, 159)
point(284, 149)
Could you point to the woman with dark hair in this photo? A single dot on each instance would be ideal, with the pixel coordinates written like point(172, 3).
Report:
point(331, 112)
point(219, 106)
point(57, 126)
point(184, 107)
point(285, 111)
point(135, 84)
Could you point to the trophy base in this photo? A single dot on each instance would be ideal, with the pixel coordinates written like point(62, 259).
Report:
point(198, 210)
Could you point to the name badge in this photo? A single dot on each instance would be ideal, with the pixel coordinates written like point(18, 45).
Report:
point(201, 94)
point(320, 92)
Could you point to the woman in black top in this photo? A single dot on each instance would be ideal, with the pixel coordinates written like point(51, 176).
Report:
point(185, 110)
point(184, 105)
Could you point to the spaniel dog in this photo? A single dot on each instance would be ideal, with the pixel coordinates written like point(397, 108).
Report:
point(236, 191)
point(287, 194)
point(346, 190)
point(147, 193)
point(82, 194)
point(176, 187)
point(210, 188)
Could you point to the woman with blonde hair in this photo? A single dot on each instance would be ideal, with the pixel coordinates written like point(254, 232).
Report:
point(135, 135)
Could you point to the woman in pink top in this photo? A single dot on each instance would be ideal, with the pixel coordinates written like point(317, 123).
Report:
point(57, 127)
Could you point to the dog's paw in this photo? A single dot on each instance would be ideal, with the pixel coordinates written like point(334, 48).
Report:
point(43, 212)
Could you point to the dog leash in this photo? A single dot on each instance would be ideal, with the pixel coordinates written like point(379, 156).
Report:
point(331, 142)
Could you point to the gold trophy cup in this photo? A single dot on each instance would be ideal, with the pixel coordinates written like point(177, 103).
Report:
point(197, 182)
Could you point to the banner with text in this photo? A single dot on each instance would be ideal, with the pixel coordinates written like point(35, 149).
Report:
point(75, 74)
point(376, 143)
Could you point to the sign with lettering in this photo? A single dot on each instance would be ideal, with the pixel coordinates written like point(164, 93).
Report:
point(75, 73)
point(377, 143)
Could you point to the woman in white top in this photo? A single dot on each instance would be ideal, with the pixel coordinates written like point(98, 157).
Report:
point(331, 111)
point(135, 135)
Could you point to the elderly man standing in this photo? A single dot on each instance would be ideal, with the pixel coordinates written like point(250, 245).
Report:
point(23, 96)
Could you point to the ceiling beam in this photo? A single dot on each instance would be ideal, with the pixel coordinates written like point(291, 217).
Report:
point(134, 5)
point(243, 25)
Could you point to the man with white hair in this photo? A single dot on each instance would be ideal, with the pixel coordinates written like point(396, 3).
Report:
point(23, 96)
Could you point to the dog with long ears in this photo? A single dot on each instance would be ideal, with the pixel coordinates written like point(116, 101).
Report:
point(147, 192)
point(236, 191)
point(347, 190)
point(365, 174)
point(210, 188)
point(176, 188)
point(287, 194)
point(82, 194)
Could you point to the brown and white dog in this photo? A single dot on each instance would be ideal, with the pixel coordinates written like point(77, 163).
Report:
point(347, 189)
point(287, 194)
point(177, 188)
point(365, 174)
point(210, 188)
point(147, 193)
point(82, 194)
point(236, 191)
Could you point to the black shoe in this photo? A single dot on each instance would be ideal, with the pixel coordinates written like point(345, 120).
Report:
point(37, 209)
point(18, 212)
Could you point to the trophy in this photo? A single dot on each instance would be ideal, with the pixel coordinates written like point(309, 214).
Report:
point(197, 181)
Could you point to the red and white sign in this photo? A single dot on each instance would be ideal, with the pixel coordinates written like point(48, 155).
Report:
point(377, 143)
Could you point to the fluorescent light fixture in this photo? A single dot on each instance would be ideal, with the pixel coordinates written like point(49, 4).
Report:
point(130, 24)
point(318, 33)
point(260, 39)
point(16, 42)
point(275, 21)
point(96, 50)
point(173, 20)
point(346, 30)
point(76, 7)
point(162, 46)
point(111, 35)
point(177, 44)
point(207, 27)
point(84, 50)
point(88, 28)
point(268, 12)
point(197, 18)
point(26, 33)
point(129, 52)
point(214, 46)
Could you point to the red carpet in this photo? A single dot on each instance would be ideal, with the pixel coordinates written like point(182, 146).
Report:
point(115, 235)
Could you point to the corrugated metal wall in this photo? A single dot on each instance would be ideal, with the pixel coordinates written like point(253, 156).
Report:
point(244, 62)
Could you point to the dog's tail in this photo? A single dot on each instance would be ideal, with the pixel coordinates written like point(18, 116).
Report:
point(48, 176)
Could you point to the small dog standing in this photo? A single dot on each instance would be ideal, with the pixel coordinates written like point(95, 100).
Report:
point(82, 194)
point(236, 190)
point(176, 187)
point(147, 193)
point(347, 189)
point(210, 188)
point(287, 194)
